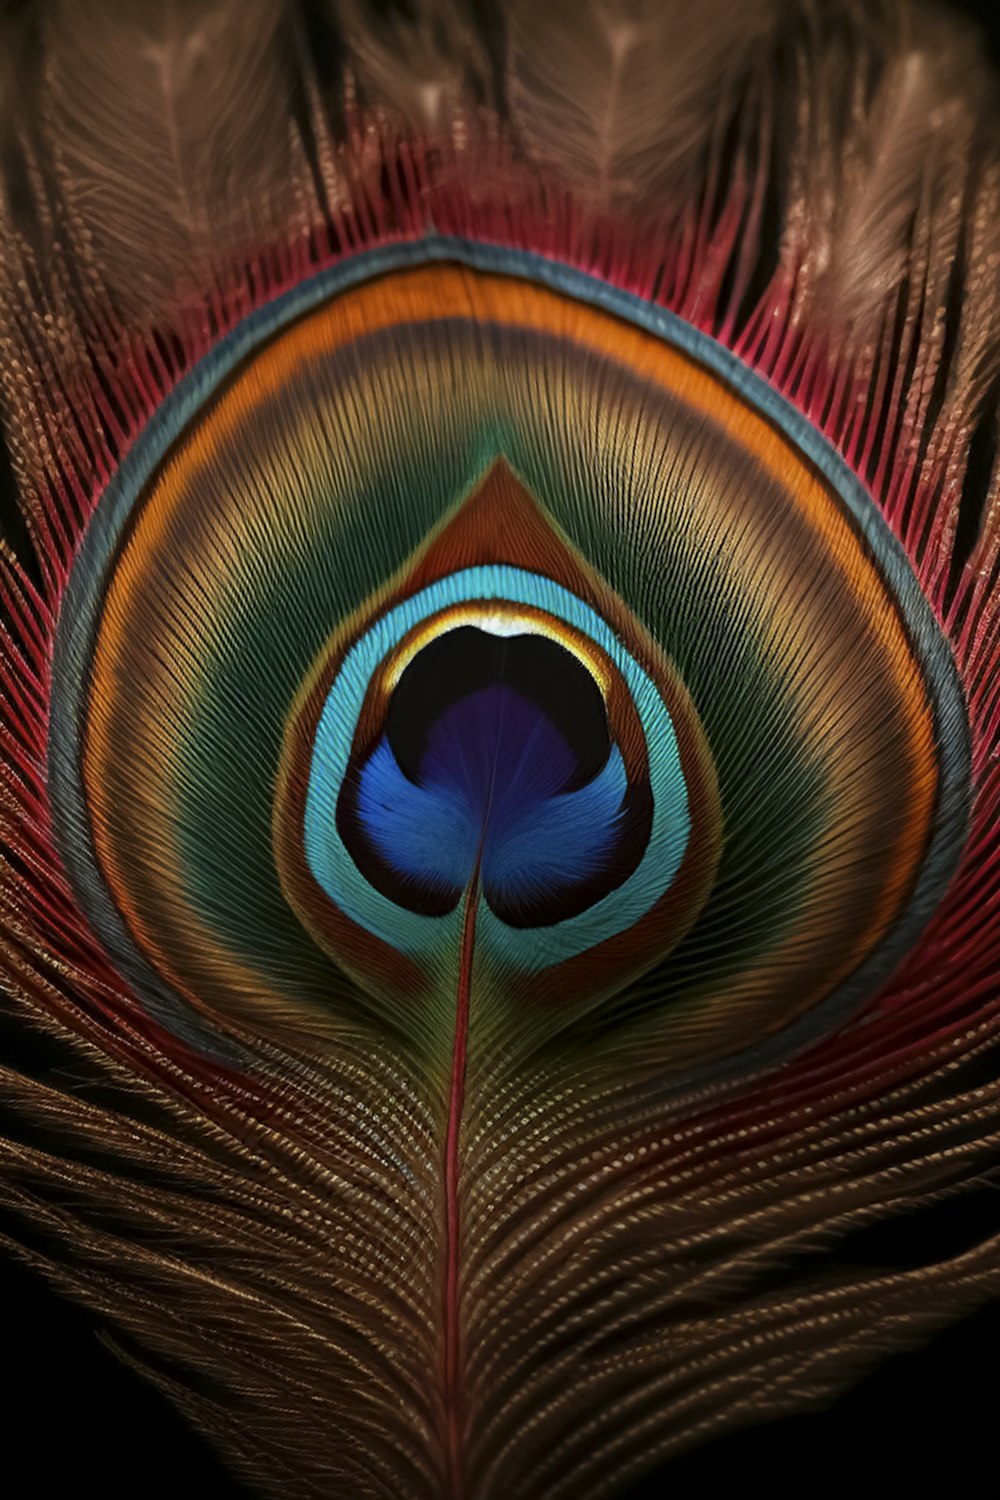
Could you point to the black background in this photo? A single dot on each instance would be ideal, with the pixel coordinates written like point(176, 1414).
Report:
point(75, 1418)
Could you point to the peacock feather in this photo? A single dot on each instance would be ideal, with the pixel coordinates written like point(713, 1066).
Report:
point(499, 712)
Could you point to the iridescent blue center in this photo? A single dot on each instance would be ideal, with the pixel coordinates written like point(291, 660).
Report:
point(495, 765)
point(495, 788)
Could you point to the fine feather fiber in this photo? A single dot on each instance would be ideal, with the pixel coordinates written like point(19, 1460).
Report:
point(392, 1192)
point(158, 117)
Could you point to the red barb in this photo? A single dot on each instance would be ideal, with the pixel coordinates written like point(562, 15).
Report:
point(454, 1403)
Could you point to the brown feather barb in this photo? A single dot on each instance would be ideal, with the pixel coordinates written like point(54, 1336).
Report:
point(410, 1161)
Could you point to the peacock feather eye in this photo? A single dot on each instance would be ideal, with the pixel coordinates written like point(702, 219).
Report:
point(596, 687)
point(498, 714)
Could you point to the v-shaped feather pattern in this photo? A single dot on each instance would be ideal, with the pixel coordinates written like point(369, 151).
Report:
point(499, 712)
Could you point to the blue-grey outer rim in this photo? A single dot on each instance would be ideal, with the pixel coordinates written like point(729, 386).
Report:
point(80, 609)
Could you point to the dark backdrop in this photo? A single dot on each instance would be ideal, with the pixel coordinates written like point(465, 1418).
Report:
point(77, 1420)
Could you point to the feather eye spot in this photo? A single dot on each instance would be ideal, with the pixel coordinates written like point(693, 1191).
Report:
point(582, 622)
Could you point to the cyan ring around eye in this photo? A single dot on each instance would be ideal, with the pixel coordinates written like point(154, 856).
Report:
point(421, 936)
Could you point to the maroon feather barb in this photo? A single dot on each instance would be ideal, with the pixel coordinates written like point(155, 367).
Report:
point(394, 1282)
